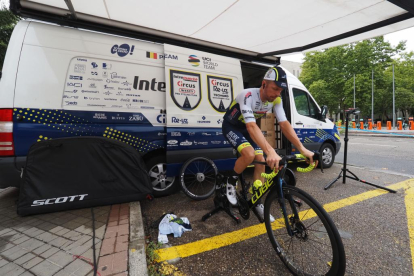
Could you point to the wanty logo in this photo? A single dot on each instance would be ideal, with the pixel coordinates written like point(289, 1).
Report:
point(193, 60)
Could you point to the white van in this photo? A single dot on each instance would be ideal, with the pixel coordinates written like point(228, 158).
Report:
point(165, 101)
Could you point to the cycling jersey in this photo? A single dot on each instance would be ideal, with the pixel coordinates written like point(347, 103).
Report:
point(247, 107)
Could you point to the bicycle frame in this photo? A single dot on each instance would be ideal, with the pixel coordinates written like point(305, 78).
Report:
point(271, 184)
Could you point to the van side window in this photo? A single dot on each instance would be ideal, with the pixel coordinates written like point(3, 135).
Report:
point(304, 104)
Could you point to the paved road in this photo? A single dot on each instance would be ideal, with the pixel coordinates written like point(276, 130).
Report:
point(392, 154)
point(373, 225)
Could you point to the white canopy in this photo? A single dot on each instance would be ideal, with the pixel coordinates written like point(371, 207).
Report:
point(244, 26)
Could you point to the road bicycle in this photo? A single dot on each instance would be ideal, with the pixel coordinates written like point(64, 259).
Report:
point(302, 233)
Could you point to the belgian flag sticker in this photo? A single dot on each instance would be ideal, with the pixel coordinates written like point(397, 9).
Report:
point(152, 55)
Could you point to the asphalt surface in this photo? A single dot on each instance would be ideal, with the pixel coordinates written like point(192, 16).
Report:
point(374, 224)
point(393, 154)
point(374, 231)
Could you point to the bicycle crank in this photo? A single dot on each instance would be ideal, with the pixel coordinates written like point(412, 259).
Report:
point(243, 206)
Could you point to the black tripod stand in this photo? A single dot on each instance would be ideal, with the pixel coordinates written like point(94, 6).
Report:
point(344, 169)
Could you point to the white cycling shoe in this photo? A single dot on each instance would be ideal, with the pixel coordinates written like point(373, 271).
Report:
point(260, 211)
point(231, 194)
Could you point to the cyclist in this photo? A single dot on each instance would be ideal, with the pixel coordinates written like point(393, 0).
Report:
point(240, 129)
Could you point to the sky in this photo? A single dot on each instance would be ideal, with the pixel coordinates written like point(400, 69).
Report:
point(393, 38)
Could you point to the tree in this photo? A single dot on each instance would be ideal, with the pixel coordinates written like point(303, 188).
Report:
point(329, 74)
point(7, 22)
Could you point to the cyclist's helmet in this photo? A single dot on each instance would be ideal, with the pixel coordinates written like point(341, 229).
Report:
point(278, 75)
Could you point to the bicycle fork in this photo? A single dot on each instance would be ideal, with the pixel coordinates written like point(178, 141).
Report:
point(292, 203)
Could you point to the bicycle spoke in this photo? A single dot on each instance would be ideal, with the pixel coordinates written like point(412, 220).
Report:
point(327, 245)
point(307, 227)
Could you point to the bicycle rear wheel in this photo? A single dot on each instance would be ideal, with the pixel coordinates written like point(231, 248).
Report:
point(316, 247)
point(198, 178)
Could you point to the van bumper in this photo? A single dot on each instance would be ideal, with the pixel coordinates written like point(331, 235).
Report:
point(10, 169)
point(338, 146)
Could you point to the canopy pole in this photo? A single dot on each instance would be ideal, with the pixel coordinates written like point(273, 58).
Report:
point(71, 9)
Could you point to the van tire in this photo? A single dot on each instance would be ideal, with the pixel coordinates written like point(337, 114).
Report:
point(156, 168)
point(328, 155)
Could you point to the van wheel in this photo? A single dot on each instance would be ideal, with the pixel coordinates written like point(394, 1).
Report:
point(328, 155)
point(157, 170)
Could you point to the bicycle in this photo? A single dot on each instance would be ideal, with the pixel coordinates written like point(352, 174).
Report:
point(300, 221)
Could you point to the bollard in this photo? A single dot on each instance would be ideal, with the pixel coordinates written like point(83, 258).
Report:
point(339, 124)
point(411, 125)
point(378, 125)
point(388, 125)
point(353, 125)
point(369, 125)
point(361, 125)
point(399, 125)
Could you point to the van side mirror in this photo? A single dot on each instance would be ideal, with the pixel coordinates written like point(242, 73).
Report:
point(324, 111)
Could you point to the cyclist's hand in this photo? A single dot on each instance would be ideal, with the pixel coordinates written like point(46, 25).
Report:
point(273, 160)
point(309, 157)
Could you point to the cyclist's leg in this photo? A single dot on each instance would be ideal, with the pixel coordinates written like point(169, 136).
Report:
point(258, 156)
point(241, 144)
point(237, 139)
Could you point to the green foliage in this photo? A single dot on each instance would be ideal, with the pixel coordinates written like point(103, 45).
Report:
point(329, 76)
point(7, 22)
point(152, 257)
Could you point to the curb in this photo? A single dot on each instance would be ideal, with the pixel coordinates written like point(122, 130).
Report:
point(380, 135)
point(137, 257)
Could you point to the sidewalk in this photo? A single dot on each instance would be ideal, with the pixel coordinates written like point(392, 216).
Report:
point(60, 243)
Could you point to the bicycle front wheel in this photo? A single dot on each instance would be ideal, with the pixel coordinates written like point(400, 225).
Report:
point(198, 178)
point(315, 247)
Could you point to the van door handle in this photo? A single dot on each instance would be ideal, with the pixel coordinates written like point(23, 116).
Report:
point(299, 123)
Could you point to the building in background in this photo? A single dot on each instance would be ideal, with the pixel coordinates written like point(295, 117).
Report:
point(293, 67)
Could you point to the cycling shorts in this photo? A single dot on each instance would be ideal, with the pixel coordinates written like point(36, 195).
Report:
point(239, 138)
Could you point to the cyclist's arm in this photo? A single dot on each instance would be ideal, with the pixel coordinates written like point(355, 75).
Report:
point(290, 134)
point(257, 136)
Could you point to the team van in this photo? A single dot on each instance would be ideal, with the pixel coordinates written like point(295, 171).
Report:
point(165, 101)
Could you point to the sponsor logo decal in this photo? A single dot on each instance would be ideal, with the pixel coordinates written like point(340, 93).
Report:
point(75, 84)
point(172, 142)
point(100, 116)
point(57, 200)
point(122, 50)
point(80, 68)
point(82, 59)
point(146, 84)
point(193, 60)
point(175, 120)
point(136, 118)
point(92, 98)
point(186, 143)
point(71, 77)
point(220, 92)
point(204, 120)
point(175, 133)
point(106, 66)
point(90, 91)
point(161, 118)
point(161, 56)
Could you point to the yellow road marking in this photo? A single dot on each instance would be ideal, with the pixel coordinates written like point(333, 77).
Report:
point(409, 206)
point(197, 247)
